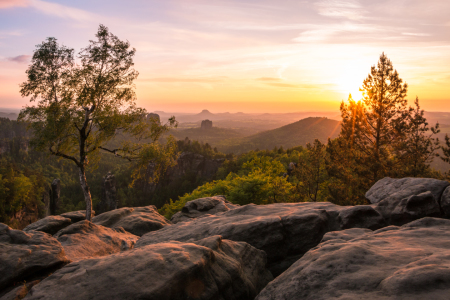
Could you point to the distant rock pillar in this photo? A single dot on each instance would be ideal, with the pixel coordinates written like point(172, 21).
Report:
point(55, 195)
point(206, 124)
point(109, 193)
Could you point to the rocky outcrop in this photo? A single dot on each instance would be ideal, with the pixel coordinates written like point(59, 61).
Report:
point(20, 291)
point(86, 240)
point(50, 224)
point(445, 202)
point(393, 189)
point(206, 124)
point(77, 216)
point(202, 207)
point(207, 269)
point(26, 254)
point(408, 262)
point(284, 231)
point(109, 200)
point(137, 220)
point(154, 117)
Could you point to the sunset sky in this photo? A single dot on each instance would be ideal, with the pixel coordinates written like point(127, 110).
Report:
point(246, 55)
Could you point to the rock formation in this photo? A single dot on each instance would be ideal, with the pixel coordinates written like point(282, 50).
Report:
point(76, 216)
point(217, 250)
point(55, 195)
point(109, 200)
point(154, 117)
point(209, 269)
point(86, 240)
point(23, 255)
point(408, 262)
point(138, 220)
point(206, 124)
point(202, 207)
point(50, 224)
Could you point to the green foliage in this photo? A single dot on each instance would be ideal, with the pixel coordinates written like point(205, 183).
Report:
point(81, 107)
point(257, 178)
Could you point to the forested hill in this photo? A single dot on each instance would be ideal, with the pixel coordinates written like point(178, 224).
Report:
point(296, 134)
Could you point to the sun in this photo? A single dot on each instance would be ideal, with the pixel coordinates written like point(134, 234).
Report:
point(350, 80)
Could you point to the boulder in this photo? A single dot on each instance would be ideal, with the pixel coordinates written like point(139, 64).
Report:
point(402, 211)
point(283, 230)
point(137, 220)
point(361, 216)
point(85, 240)
point(50, 224)
point(445, 202)
point(76, 216)
point(201, 207)
point(26, 254)
point(207, 269)
point(408, 262)
point(397, 189)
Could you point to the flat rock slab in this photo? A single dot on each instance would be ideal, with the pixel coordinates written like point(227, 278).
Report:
point(77, 216)
point(24, 254)
point(202, 207)
point(397, 189)
point(86, 240)
point(281, 230)
point(50, 224)
point(212, 268)
point(136, 220)
point(408, 262)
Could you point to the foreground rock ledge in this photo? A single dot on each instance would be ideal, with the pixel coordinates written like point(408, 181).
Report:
point(408, 262)
point(25, 254)
point(211, 268)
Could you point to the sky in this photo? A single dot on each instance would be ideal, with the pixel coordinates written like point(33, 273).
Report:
point(243, 55)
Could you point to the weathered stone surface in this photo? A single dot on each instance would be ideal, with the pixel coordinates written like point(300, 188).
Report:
point(137, 220)
point(346, 235)
point(402, 211)
point(20, 291)
point(397, 189)
point(201, 207)
point(76, 216)
point(50, 224)
point(282, 230)
point(24, 254)
point(212, 268)
point(86, 240)
point(445, 202)
point(408, 262)
point(361, 216)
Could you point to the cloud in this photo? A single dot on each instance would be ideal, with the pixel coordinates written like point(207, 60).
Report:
point(50, 8)
point(349, 9)
point(20, 59)
point(62, 11)
point(13, 3)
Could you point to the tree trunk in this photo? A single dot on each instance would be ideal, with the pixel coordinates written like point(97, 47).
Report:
point(86, 192)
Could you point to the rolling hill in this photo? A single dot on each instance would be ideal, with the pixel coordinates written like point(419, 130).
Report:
point(296, 134)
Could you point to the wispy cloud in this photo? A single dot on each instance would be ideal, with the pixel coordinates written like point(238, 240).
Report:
point(62, 11)
point(13, 3)
point(20, 59)
point(350, 9)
